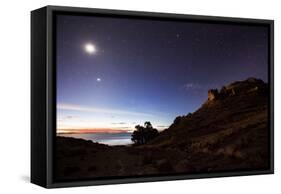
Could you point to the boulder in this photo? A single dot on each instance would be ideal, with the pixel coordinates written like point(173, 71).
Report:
point(213, 94)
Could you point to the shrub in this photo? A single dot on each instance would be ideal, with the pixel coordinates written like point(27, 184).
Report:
point(143, 134)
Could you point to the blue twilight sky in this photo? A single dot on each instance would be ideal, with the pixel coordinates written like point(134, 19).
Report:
point(115, 73)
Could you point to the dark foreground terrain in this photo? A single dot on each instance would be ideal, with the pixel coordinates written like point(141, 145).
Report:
point(230, 131)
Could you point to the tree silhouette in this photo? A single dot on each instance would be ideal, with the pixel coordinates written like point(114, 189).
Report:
point(148, 125)
point(143, 134)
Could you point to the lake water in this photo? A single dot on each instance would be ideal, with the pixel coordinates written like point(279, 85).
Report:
point(104, 138)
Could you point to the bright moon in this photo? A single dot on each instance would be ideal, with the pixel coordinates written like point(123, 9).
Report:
point(90, 48)
point(98, 79)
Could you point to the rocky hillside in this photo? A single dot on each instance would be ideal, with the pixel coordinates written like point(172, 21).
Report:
point(234, 106)
point(233, 121)
point(228, 132)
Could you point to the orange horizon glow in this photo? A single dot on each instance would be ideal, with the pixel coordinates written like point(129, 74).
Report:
point(92, 130)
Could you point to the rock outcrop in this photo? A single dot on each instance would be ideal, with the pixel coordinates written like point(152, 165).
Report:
point(213, 94)
point(238, 88)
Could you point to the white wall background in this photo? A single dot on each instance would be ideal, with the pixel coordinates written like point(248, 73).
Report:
point(15, 95)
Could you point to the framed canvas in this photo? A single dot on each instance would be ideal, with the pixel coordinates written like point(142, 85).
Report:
point(125, 96)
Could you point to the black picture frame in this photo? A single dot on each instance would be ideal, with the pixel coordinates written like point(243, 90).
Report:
point(43, 93)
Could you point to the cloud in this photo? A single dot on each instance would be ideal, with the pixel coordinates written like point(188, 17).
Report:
point(74, 107)
point(191, 86)
point(162, 126)
point(70, 117)
point(119, 123)
point(67, 117)
point(195, 87)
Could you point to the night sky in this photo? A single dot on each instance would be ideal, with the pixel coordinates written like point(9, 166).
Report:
point(137, 70)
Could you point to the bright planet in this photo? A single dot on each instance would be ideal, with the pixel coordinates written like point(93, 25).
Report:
point(90, 48)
